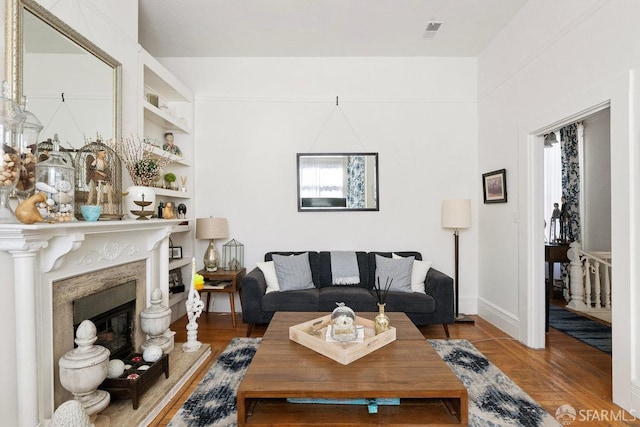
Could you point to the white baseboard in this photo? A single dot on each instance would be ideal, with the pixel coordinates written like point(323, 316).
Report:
point(498, 317)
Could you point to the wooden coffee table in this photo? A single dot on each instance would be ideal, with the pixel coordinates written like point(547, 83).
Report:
point(408, 368)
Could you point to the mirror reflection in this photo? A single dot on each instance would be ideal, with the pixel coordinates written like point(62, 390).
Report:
point(69, 89)
point(337, 181)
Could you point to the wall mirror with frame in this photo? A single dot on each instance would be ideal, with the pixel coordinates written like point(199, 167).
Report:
point(337, 182)
point(46, 58)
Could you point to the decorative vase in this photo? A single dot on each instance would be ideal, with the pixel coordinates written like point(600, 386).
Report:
point(138, 193)
point(381, 322)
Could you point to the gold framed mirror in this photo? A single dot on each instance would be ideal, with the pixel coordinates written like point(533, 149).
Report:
point(51, 63)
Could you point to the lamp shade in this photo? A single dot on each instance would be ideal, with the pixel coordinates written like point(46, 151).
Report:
point(212, 228)
point(456, 213)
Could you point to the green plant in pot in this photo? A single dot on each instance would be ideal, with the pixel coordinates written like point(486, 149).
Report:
point(170, 178)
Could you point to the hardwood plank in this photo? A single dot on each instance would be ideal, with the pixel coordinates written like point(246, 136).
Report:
point(566, 372)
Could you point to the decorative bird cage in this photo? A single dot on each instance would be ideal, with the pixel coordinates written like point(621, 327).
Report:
point(233, 255)
point(99, 179)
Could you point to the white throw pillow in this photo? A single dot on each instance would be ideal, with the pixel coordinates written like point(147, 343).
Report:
point(268, 268)
point(418, 273)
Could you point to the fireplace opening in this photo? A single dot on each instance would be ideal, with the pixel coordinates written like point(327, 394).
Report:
point(112, 311)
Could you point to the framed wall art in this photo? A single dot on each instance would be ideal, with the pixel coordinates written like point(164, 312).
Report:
point(494, 185)
point(175, 252)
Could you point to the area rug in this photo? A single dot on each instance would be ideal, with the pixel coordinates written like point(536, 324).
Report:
point(494, 400)
point(586, 330)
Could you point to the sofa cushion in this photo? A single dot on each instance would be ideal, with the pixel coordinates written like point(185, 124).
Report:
point(268, 269)
point(305, 300)
point(418, 273)
point(314, 262)
point(410, 302)
point(371, 259)
point(293, 271)
point(354, 297)
point(396, 272)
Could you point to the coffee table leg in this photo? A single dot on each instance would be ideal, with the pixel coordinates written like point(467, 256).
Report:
point(242, 414)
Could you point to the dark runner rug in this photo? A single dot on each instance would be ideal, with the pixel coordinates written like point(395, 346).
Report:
point(588, 331)
point(494, 400)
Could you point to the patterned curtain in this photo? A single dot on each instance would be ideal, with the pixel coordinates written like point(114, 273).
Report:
point(570, 182)
point(355, 182)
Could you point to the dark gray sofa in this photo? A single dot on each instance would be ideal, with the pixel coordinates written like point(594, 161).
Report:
point(435, 306)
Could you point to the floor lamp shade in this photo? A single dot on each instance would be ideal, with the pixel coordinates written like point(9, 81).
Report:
point(456, 214)
point(211, 229)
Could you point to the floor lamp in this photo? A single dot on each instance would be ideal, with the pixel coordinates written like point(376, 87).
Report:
point(456, 214)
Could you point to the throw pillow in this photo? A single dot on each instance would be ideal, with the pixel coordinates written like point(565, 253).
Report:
point(418, 273)
point(269, 270)
point(294, 272)
point(397, 269)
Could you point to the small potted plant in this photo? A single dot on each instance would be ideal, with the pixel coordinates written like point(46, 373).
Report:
point(170, 178)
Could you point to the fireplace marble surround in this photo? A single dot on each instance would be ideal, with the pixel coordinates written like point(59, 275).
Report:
point(45, 256)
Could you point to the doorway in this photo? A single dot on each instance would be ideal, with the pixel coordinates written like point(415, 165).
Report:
point(577, 172)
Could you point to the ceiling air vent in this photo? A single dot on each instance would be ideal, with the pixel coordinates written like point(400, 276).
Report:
point(432, 29)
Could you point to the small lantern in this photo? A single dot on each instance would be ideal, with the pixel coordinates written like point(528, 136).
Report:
point(233, 255)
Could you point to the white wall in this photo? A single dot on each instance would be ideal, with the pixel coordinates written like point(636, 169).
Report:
point(553, 61)
point(113, 27)
point(254, 114)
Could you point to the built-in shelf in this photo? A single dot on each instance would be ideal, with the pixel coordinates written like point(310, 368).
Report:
point(171, 193)
point(183, 228)
point(177, 298)
point(159, 152)
point(177, 263)
point(165, 120)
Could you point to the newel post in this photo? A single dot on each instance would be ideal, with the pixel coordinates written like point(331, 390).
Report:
point(576, 274)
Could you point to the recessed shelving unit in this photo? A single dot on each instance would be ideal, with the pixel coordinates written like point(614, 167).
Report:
point(171, 111)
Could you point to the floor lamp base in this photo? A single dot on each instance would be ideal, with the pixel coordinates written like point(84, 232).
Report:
point(463, 318)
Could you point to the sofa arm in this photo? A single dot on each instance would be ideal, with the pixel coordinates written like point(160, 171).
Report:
point(440, 287)
point(252, 289)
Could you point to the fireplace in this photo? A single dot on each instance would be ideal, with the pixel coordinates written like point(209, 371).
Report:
point(53, 265)
point(104, 290)
point(112, 311)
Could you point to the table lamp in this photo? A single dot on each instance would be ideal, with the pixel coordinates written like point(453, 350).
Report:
point(456, 214)
point(211, 228)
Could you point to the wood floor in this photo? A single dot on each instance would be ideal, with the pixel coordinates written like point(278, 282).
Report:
point(566, 372)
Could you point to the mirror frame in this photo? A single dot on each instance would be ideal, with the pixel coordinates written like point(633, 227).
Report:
point(14, 52)
point(337, 208)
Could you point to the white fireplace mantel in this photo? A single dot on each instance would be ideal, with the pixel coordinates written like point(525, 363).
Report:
point(44, 253)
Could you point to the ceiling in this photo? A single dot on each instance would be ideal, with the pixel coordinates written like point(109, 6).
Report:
point(211, 28)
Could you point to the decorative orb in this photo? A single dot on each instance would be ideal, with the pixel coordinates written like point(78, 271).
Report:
point(116, 368)
point(70, 413)
point(153, 353)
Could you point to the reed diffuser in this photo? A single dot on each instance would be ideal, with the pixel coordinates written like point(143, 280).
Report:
point(381, 322)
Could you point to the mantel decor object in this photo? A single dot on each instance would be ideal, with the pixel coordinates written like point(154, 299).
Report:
point(11, 120)
point(211, 229)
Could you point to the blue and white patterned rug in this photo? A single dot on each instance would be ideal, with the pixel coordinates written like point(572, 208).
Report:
point(494, 400)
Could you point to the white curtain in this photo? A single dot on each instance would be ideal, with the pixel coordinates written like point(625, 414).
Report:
point(552, 188)
point(322, 177)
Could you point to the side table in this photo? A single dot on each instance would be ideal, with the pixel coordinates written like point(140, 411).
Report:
point(220, 276)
